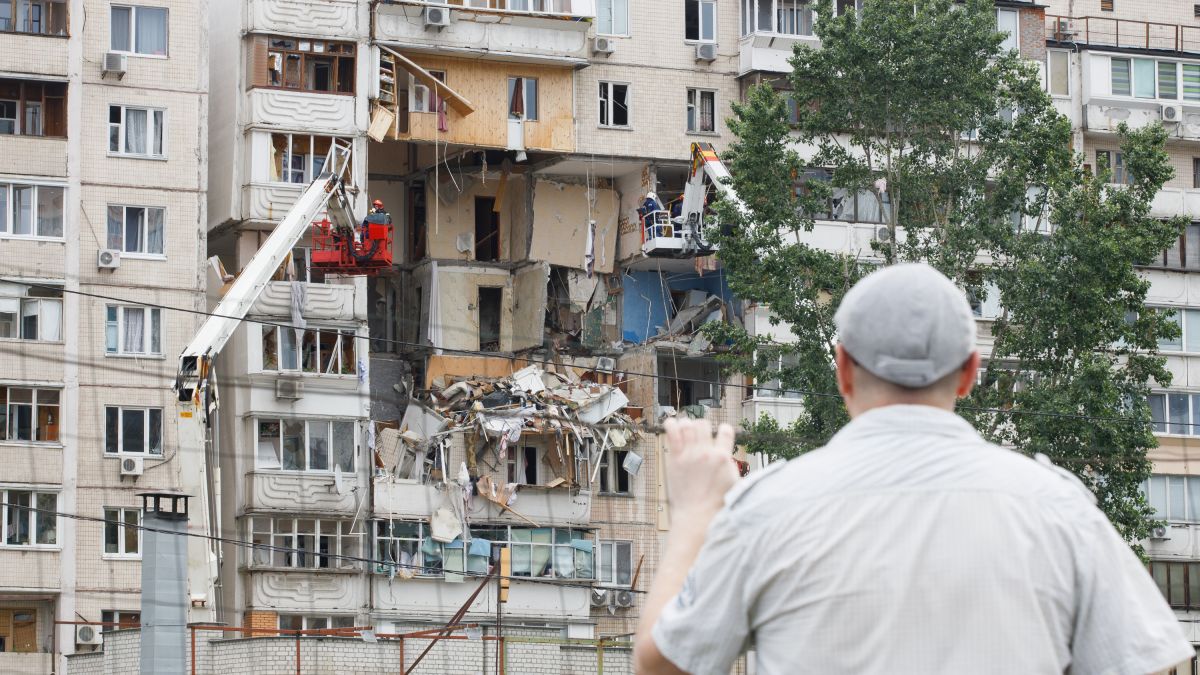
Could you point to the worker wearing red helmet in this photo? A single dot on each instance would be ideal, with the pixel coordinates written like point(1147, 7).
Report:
point(377, 209)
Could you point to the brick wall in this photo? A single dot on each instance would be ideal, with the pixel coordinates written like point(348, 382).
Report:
point(260, 619)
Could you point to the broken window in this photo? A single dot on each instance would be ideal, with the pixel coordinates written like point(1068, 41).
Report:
point(322, 351)
point(30, 312)
point(31, 210)
point(310, 65)
point(524, 465)
point(135, 431)
point(523, 98)
point(487, 230)
point(138, 30)
point(424, 100)
point(613, 477)
point(303, 543)
point(34, 17)
point(132, 330)
point(615, 566)
point(136, 229)
point(614, 104)
point(33, 108)
point(688, 382)
point(701, 110)
point(700, 20)
point(306, 445)
point(302, 261)
point(299, 158)
point(136, 132)
point(488, 307)
point(29, 414)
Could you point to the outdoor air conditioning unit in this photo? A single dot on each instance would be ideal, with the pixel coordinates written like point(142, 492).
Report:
point(599, 597)
point(623, 598)
point(1161, 533)
point(1062, 30)
point(108, 259)
point(290, 389)
point(87, 635)
point(883, 234)
point(603, 45)
point(1172, 112)
point(437, 17)
point(132, 466)
point(706, 52)
point(606, 363)
point(114, 63)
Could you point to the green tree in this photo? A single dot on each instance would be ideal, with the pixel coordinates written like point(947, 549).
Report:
point(921, 122)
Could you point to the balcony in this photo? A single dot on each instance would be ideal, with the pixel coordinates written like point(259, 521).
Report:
point(1176, 202)
point(770, 29)
point(318, 113)
point(547, 31)
point(304, 17)
point(291, 492)
point(1097, 31)
point(306, 590)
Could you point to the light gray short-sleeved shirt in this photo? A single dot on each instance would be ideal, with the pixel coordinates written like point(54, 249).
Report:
point(910, 545)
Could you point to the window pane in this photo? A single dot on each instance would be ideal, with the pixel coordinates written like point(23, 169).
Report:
point(1191, 330)
point(1143, 78)
point(1059, 73)
point(691, 19)
point(17, 518)
point(130, 543)
point(154, 231)
point(1173, 344)
point(1177, 413)
point(289, 358)
point(708, 20)
point(620, 107)
point(624, 560)
point(604, 24)
point(46, 519)
point(343, 446)
point(111, 538)
point(116, 227)
point(318, 446)
point(23, 209)
point(49, 211)
point(155, 331)
point(268, 444)
point(155, 444)
point(119, 29)
point(1158, 495)
point(1120, 77)
point(1193, 485)
point(135, 131)
point(1176, 504)
point(293, 445)
point(1006, 23)
point(110, 329)
point(112, 418)
point(1175, 587)
point(133, 430)
point(1168, 86)
point(1191, 81)
point(152, 31)
point(135, 221)
point(157, 148)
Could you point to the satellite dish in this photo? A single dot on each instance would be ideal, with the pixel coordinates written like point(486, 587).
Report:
point(338, 484)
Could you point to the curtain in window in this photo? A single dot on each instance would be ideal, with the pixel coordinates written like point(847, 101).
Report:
point(49, 211)
point(158, 133)
point(135, 131)
point(154, 231)
point(1120, 77)
point(156, 331)
point(119, 29)
point(708, 111)
point(152, 31)
point(50, 320)
point(23, 209)
point(1167, 80)
point(1191, 81)
point(135, 220)
point(135, 326)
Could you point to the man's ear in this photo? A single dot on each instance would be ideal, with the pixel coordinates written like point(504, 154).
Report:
point(845, 371)
point(966, 377)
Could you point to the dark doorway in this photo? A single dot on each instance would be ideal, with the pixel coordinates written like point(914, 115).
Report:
point(487, 230)
point(489, 318)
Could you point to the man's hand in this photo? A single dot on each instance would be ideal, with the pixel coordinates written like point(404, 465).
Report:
point(700, 469)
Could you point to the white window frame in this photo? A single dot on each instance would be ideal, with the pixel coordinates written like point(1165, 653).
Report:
point(22, 301)
point(8, 211)
point(144, 231)
point(35, 518)
point(1013, 37)
point(1161, 487)
point(695, 108)
point(8, 415)
point(1180, 67)
point(610, 6)
point(512, 470)
point(260, 458)
point(700, 39)
point(121, 514)
point(608, 477)
point(152, 323)
point(420, 97)
point(148, 450)
point(607, 574)
point(156, 118)
point(1191, 426)
point(769, 390)
point(608, 106)
point(340, 336)
point(283, 533)
point(1118, 174)
point(134, 10)
point(310, 171)
point(1050, 81)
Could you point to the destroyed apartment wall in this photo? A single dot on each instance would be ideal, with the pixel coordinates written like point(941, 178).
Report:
point(583, 312)
point(481, 308)
point(479, 115)
point(562, 216)
point(633, 188)
point(478, 215)
point(660, 304)
point(510, 461)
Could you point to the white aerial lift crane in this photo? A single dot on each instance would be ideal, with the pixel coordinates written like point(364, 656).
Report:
point(683, 234)
point(195, 382)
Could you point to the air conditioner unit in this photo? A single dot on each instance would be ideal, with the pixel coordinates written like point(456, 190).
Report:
point(114, 64)
point(623, 598)
point(606, 363)
point(108, 259)
point(132, 466)
point(1062, 31)
point(437, 17)
point(1172, 112)
point(87, 635)
point(599, 597)
point(290, 389)
point(1161, 533)
point(706, 52)
point(883, 234)
point(603, 45)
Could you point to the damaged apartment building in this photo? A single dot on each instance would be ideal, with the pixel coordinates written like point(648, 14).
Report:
point(478, 404)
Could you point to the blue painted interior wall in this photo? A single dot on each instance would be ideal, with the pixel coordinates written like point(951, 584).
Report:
point(647, 301)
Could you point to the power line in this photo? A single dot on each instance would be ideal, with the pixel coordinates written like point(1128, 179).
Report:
point(333, 556)
point(654, 376)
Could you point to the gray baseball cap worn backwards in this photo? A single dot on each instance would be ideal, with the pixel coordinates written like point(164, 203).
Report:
point(907, 324)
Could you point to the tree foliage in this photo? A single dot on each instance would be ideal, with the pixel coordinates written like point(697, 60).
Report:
point(918, 117)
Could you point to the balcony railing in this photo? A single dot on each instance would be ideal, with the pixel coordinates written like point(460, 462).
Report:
point(1107, 32)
